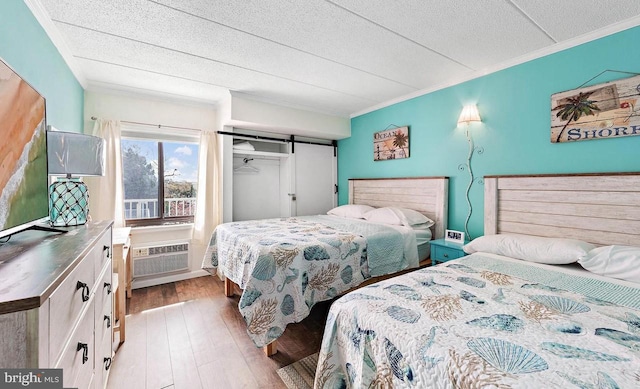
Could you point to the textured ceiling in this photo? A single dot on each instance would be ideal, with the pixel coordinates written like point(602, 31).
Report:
point(334, 56)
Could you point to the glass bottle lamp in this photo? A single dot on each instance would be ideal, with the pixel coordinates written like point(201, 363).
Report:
point(71, 154)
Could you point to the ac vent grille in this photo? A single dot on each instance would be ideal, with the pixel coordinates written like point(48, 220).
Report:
point(174, 248)
point(160, 259)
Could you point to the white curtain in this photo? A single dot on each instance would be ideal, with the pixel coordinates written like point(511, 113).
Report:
point(208, 204)
point(106, 195)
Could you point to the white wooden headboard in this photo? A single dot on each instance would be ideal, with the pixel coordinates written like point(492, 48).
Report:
point(603, 209)
point(428, 195)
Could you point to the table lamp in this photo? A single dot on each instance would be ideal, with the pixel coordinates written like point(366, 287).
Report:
point(70, 154)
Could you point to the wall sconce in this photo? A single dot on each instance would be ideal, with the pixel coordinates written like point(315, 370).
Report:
point(469, 114)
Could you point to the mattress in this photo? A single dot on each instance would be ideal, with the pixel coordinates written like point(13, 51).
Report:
point(423, 237)
point(485, 321)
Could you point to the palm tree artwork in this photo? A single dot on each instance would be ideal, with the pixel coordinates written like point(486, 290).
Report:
point(401, 140)
point(574, 108)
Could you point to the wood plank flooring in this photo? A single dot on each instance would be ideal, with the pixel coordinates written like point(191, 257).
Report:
point(187, 334)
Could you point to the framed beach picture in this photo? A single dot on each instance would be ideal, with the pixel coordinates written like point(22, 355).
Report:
point(391, 144)
point(608, 110)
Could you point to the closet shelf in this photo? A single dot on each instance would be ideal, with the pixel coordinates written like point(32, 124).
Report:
point(260, 153)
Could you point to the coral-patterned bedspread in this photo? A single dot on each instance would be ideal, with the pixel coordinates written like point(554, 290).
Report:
point(484, 321)
point(285, 266)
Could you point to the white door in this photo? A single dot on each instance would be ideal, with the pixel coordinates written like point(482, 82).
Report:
point(315, 179)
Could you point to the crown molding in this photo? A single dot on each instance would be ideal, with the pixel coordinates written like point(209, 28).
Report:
point(555, 48)
point(42, 16)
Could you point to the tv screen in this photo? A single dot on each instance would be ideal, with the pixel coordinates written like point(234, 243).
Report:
point(23, 153)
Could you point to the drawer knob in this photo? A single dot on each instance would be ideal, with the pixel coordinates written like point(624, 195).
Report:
point(446, 255)
point(108, 250)
point(85, 290)
point(108, 286)
point(108, 319)
point(107, 363)
point(85, 351)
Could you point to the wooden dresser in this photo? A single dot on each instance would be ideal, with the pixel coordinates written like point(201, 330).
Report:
point(56, 303)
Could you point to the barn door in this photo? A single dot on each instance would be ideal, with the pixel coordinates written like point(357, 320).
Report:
point(315, 179)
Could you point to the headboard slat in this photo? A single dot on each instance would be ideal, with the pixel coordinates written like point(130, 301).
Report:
point(603, 209)
point(598, 183)
point(630, 212)
point(601, 238)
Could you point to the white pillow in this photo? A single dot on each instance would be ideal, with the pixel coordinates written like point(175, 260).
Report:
point(351, 211)
point(622, 262)
point(398, 216)
point(554, 251)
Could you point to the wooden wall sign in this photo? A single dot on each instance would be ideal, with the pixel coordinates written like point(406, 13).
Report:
point(608, 110)
point(391, 144)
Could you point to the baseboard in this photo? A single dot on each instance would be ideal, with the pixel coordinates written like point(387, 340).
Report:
point(152, 281)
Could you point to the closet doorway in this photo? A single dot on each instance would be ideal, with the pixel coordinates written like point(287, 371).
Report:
point(272, 179)
point(256, 188)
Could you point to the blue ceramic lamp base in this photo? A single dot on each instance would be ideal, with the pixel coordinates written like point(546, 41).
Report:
point(68, 202)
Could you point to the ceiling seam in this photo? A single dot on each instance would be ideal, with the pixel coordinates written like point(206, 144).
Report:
point(212, 60)
point(400, 35)
point(523, 13)
point(94, 85)
point(150, 71)
point(330, 112)
point(285, 45)
point(96, 82)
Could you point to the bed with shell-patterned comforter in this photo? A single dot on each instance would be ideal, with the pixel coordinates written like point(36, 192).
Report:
point(284, 266)
point(484, 321)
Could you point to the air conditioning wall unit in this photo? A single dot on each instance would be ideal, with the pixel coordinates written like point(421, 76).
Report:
point(160, 258)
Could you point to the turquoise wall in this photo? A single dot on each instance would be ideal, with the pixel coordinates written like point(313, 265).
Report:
point(25, 47)
point(515, 106)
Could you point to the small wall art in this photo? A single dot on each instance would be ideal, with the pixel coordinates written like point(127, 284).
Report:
point(391, 144)
point(608, 110)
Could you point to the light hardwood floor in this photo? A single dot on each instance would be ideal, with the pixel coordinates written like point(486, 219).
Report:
point(187, 334)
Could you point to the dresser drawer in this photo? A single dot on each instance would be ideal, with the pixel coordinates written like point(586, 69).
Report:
point(443, 254)
point(75, 368)
point(103, 361)
point(103, 304)
point(66, 303)
point(104, 252)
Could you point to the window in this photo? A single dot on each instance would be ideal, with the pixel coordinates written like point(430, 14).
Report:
point(160, 180)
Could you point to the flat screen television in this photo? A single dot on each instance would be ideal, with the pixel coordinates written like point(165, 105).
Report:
point(23, 154)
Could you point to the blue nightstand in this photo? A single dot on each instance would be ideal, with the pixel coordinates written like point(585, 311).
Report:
point(444, 250)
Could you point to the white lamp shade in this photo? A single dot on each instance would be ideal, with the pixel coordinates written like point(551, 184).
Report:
point(469, 114)
point(72, 153)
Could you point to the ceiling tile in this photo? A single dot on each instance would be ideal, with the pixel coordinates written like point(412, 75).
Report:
point(569, 19)
point(112, 76)
point(332, 56)
point(476, 33)
point(94, 47)
point(157, 25)
point(328, 32)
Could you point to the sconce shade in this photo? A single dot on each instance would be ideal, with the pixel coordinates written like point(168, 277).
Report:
point(469, 114)
point(70, 154)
